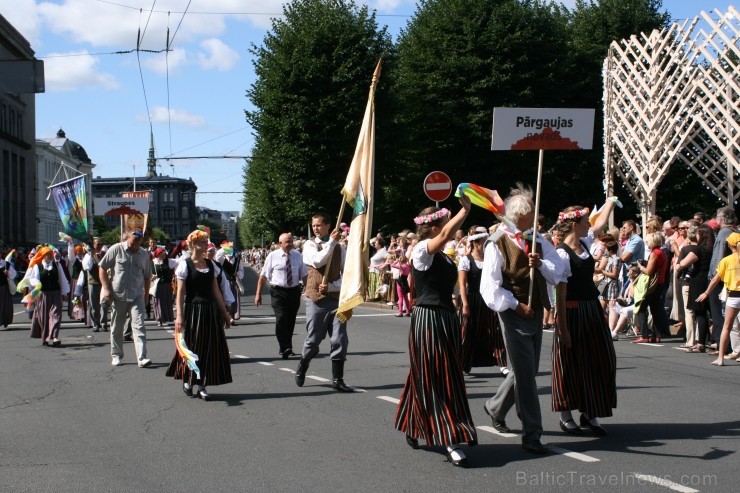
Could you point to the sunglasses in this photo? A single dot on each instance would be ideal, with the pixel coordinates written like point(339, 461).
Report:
point(682, 227)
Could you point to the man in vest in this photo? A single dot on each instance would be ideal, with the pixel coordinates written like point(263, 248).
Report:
point(324, 258)
point(505, 282)
point(90, 266)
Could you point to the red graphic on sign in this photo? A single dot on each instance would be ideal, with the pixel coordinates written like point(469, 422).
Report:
point(437, 186)
point(549, 140)
point(119, 211)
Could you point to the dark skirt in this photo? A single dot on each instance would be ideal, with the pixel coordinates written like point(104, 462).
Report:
point(434, 404)
point(482, 339)
point(47, 315)
point(234, 308)
point(584, 376)
point(162, 303)
point(204, 335)
point(6, 306)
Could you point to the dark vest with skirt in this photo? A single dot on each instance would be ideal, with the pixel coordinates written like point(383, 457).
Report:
point(474, 276)
point(434, 286)
point(581, 285)
point(49, 278)
point(199, 285)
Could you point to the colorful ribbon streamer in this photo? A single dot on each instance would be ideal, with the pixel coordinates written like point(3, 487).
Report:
point(9, 256)
point(482, 197)
point(186, 354)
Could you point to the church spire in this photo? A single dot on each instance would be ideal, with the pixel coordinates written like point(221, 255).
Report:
point(152, 161)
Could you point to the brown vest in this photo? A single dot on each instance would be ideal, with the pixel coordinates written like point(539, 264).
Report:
point(515, 273)
point(316, 275)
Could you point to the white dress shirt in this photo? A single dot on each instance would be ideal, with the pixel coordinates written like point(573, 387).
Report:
point(313, 257)
point(35, 277)
point(275, 272)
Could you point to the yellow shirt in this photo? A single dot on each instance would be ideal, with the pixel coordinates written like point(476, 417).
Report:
point(729, 271)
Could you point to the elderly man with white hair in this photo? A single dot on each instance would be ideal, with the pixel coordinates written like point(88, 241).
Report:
point(505, 287)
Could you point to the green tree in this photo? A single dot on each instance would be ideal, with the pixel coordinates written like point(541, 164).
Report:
point(457, 60)
point(313, 74)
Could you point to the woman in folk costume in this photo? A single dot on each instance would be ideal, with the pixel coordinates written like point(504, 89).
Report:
point(482, 339)
point(200, 317)
point(434, 405)
point(46, 275)
point(584, 365)
point(232, 271)
point(163, 269)
point(7, 273)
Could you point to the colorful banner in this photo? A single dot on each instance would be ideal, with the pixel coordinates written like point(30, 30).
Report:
point(71, 201)
point(138, 220)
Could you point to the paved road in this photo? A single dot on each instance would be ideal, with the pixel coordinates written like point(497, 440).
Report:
point(69, 421)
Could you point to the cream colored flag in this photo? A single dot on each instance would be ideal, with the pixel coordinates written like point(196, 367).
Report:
point(358, 192)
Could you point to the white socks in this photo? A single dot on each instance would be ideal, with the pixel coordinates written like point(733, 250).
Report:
point(455, 453)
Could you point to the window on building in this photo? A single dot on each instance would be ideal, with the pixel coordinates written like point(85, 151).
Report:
point(184, 213)
point(168, 213)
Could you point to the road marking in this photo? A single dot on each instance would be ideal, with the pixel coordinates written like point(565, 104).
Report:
point(389, 399)
point(241, 356)
point(18, 313)
point(265, 363)
point(357, 389)
point(574, 455)
point(665, 482)
point(318, 379)
point(650, 344)
point(288, 370)
point(490, 429)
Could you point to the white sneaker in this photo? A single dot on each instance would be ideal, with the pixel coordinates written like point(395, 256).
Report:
point(116, 361)
point(144, 363)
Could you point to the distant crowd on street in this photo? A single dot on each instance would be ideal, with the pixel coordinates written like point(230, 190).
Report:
point(476, 297)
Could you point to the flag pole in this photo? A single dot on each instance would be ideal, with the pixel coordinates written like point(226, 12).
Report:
point(534, 226)
point(331, 253)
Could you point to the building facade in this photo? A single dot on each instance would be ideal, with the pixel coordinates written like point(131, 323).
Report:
point(18, 226)
point(58, 159)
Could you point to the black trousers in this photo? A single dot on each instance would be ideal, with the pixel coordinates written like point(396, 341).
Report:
point(285, 302)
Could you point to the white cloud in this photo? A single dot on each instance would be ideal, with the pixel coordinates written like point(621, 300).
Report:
point(217, 55)
point(161, 62)
point(160, 115)
point(69, 73)
point(24, 17)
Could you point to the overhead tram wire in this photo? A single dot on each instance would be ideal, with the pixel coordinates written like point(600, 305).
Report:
point(139, 38)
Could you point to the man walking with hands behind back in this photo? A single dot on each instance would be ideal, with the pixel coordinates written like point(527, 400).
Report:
point(324, 256)
point(283, 269)
point(126, 293)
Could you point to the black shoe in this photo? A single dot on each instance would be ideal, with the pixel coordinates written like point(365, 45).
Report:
point(462, 462)
point(597, 430)
point(399, 315)
point(412, 442)
point(535, 447)
point(300, 373)
point(203, 394)
point(287, 354)
point(128, 338)
point(340, 386)
point(499, 426)
point(96, 329)
point(188, 390)
point(573, 430)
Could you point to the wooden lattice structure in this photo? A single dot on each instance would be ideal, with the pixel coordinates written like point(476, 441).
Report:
point(671, 98)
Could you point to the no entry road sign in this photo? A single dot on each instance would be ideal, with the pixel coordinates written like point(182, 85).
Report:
point(437, 186)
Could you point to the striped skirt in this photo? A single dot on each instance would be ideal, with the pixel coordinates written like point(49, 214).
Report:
point(482, 339)
point(584, 375)
point(6, 306)
point(434, 405)
point(162, 303)
point(204, 335)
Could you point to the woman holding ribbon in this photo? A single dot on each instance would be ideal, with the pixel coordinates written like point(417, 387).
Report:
point(46, 278)
point(434, 404)
point(584, 365)
point(201, 317)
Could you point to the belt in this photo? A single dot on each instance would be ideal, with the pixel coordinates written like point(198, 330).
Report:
point(733, 294)
point(571, 304)
point(275, 286)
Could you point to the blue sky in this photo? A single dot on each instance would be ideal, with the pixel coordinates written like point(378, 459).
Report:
point(98, 98)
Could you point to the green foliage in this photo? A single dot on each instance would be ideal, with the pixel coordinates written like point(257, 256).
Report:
point(217, 235)
point(313, 75)
point(161, 237)
point(100, 226)
point(111, 237)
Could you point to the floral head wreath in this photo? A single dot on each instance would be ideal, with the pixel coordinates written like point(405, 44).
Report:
point(428, 218)
point(571, 215)
point(197, 235)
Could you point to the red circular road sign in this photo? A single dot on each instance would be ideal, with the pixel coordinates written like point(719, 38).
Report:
point(437, 186)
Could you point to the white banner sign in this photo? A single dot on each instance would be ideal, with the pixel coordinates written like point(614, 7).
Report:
point(534, 129)
point(116, 206)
